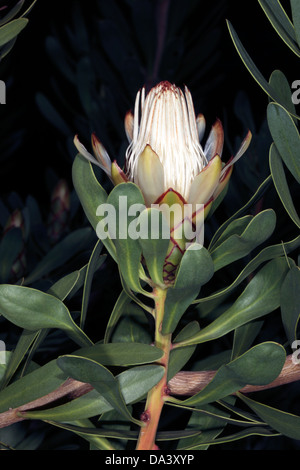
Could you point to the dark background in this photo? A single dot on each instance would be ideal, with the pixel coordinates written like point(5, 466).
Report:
point(28, 70)
point(197, 51)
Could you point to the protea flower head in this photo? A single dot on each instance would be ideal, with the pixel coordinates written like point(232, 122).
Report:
point(165, 157)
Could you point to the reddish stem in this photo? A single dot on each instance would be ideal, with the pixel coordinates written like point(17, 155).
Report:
point(155, 399)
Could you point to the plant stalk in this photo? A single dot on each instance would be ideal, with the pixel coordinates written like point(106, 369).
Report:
point(155, 399)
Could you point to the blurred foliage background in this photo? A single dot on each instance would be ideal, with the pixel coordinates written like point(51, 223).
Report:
point(76, 68)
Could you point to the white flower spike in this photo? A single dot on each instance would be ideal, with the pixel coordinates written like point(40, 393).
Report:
point(165, 151)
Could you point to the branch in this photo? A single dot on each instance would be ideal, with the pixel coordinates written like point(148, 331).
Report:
point(69, 390)
point(190, 383)
point(184, 383)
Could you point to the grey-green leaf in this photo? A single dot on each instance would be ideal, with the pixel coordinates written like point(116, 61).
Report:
point(10, 30)
point(91, 195)
point(155, 243)
point(290, 303)
point(263, 187)
point(10, 247)
point(281, 85)
point(196, 268)
point(121, 354)
point(286, 137)
point(91, 268)
point(128, 202)
point(179, 357)
point(134, 384)
point(257, 75)
point(237, 246)
point(12, 12)
point(260, 365)
point(33, 310)
point(78, 240)
point(286, 423)
point(267, 254)
point(261, 296)
point(296, 18)
point(280, 183)
point(281, 23)
point(89, 371)
point(48, 377)
point(122, 302)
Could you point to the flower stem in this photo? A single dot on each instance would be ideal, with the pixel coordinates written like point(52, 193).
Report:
point(155, 399)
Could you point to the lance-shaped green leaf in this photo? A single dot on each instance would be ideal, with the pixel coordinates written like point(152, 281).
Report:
point(33, 310)
point(24, 342)
point(261, 296)
point(68, 285)
point(125, 203)
point(296, 18)
point(267, 254)
point(280, 183)
point(286, 137)
point(261, 190)
point(179, 357)
point(10, 247)
point(62, 252)
point(260, 365)
point(290, 303)
point(252, 431)
point(133, 327)
point(91, 268)
point(134, 384)
point(10, 30)
point(244, 337)
point(237, 246)
point(89, 371)
point(236, 227)
point(25, 13)
point(281, 23)
point(96, 442)
point(61, 289)
point(64, 286)
point(281, 85)
point(12, 12)
point(274, 10)
point(122, 302)
point(32, 386)
point(210, 421)
point(5, 50)
point(286, 423)
point(256, 74)
point(154, 242)
point(121, 354)
point(91, 195)
point(196, 268)
point(127, 435)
